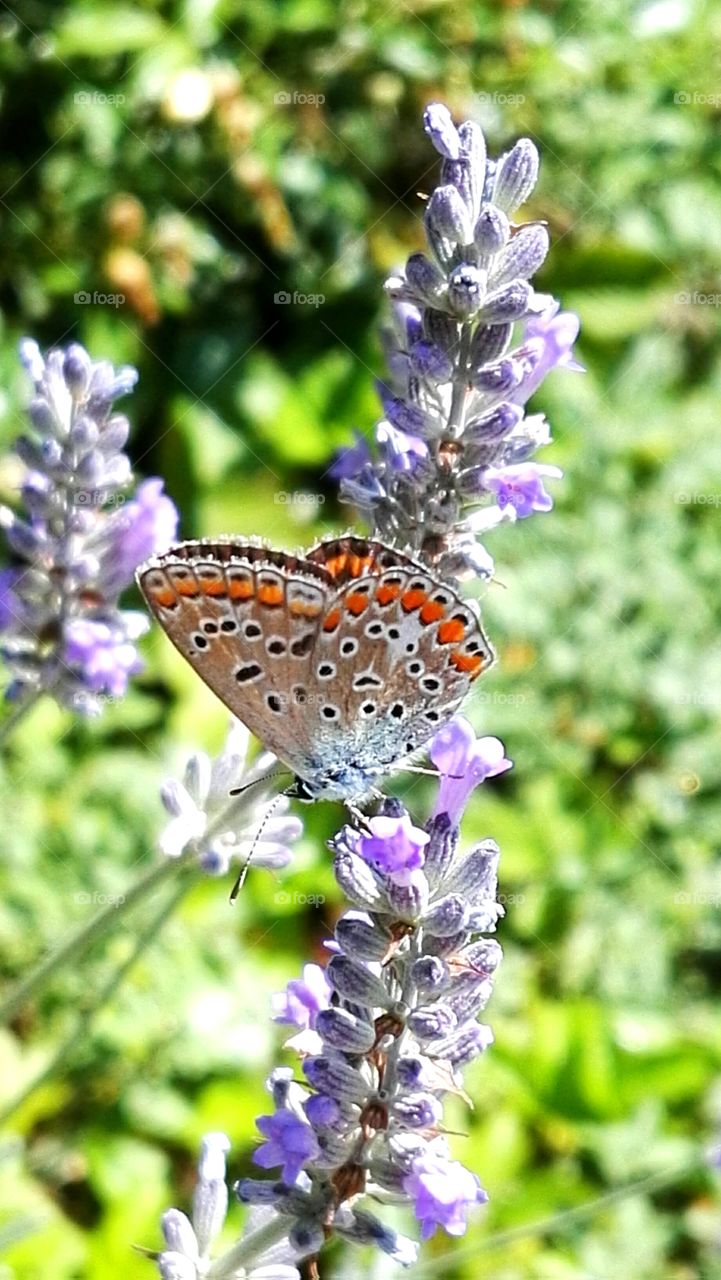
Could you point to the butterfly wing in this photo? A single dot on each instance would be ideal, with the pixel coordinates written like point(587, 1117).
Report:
point(246, 619)
point(395, 654)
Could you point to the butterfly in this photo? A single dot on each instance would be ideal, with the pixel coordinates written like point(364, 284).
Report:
point(343, 662)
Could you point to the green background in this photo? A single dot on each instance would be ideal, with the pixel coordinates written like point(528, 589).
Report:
point(144, 154)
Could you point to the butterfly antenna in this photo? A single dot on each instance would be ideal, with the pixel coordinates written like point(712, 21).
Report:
point(244, 869)
point(265, 777)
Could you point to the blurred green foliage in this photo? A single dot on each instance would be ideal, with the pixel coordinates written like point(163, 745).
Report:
point(146, 153)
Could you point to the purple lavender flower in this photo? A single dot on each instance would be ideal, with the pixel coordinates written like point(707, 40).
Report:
point(351, 459)
point(395, 847)
point(520, 486)
point(141, 528)
point(453, 402)
point(291, 1144)
point(408, 977)
point(78, 543)
point(303, 998)
point(463, 761)
point(104, 657)
point(442, 1191)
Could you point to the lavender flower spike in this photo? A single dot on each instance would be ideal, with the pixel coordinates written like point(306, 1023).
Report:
point(221, 810)
point(470, 342)
point(189, 1240)
point(408, 977)
point(79, 541)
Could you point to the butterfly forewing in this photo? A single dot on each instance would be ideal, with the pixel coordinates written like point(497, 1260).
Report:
point(246, 621)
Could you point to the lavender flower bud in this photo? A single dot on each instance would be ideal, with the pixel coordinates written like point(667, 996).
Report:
point(360, 939)
point(179, 1234)
point(424, 278)
point(516, 175)
point(429, 973)
point(477, 875)
point(524, 255)
point(341, 1030)
point(464, 1045)
point(466, 287)
point(306, 1238)
point(491, 232)
point(76, 369)
point(447, 216)
point(495, 425)
point(441, 848)
point(447, 916)
point(175, 1266)
point(417, 1111)
point(354, 982)
point(356, 879)
point(210, 1200)
point(488, 344)
point(433, 1022)
point(332, 1075)
point(507, 305)
point(438, 124)
point(442, 331)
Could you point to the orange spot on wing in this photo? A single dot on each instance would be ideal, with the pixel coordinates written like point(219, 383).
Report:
point(215, 587)
point(411, 600)
point(471, 663)
point(300, 610)
point(451, 632)
point(240, 589)
point(356, 602)
point(432, 612)
point(332, 620)
point(165, 597)
point(336, 564)
point(360, 565)
point(386, 593)
point(186, 587)
point(270, 593)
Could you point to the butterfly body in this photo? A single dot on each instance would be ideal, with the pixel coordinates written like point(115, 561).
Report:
point(342, 662)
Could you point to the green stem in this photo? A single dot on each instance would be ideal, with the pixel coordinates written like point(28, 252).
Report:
point(18, 713)
point(82, 1024)
point(457, 412)
point(559, 1221)
point(249, 1250)
point(83, 938)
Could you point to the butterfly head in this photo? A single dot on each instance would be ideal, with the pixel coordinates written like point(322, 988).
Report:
point(350, 783)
